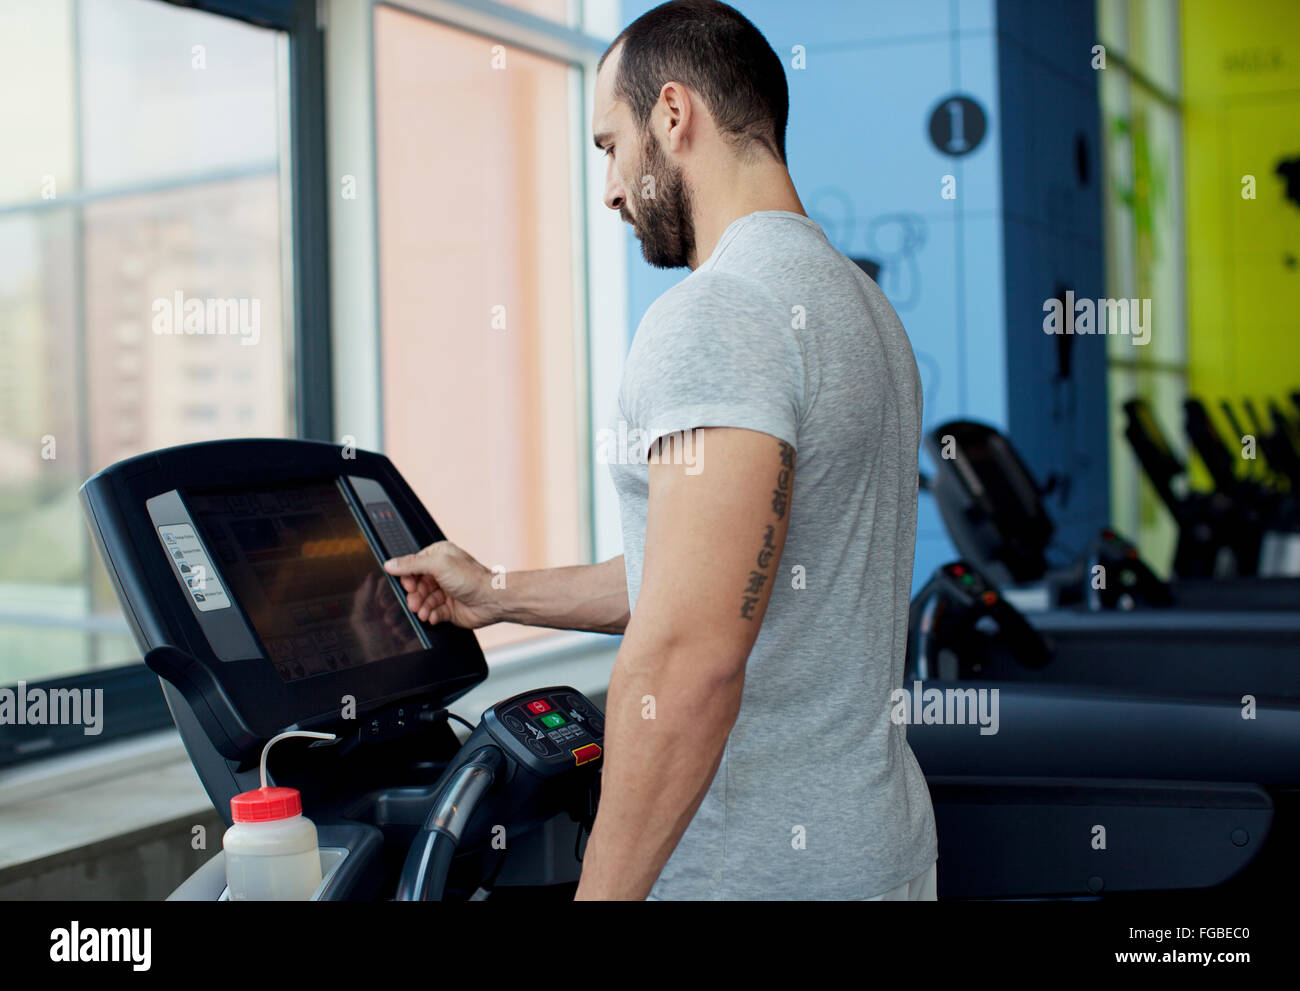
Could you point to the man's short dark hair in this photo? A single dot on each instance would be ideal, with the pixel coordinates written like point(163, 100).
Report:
point(714, 50)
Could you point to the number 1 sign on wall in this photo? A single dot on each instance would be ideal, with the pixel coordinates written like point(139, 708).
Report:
point(957, 125)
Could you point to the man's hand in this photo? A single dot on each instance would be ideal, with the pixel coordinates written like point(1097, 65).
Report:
point(445, 584)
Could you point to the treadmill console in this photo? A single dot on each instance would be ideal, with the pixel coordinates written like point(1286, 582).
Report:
point(989, 501)
point(1116, 577)
point(251, 572)
point(296, 558)
point(549, 730)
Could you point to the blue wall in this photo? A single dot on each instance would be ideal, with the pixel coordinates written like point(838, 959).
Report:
point(1052, 205)
point(866, 169)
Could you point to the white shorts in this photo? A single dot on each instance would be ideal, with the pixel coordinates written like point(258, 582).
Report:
point(923, 888)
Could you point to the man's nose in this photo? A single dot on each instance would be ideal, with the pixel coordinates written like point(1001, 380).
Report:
point(615, 196)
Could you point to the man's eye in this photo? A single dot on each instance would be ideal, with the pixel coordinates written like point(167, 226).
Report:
point(609, 151)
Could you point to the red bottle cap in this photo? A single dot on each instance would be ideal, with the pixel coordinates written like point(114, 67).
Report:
point(266, 805)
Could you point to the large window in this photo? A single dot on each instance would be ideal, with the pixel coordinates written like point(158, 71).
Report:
point(482, 268)
point(1145, 237)
point(143, 170)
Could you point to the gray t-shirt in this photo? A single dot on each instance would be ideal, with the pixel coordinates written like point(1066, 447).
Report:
point(818, 794)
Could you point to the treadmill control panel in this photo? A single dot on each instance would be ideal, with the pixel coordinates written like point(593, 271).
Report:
point(955, 619)
point(968, 584)
point(394, 536)
point(1128, 580)
point(548, 730)
point(193, 566)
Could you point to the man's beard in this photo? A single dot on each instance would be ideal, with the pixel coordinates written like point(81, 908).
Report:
point(663, 222)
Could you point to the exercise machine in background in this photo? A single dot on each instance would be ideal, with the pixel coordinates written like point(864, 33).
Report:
point(1249, 523)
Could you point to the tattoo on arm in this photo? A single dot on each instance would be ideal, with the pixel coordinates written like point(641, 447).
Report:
point(765, 560)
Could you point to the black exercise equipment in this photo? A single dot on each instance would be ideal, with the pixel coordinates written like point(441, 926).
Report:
point(1121, 787)
point(249, 572)
point(1246, 524)
point(1217, 536)
point(993, 509)
point(1107, 619)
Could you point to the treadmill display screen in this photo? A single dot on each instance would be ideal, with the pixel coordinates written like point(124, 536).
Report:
point(296, 559)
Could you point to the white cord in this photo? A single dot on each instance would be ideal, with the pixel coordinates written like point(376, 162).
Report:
point(297, 732)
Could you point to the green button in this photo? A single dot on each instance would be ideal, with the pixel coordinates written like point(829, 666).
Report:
point(968, 579)
point(553, 719)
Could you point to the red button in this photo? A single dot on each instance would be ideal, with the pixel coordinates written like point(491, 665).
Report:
point(538, 706)
point(585, 755)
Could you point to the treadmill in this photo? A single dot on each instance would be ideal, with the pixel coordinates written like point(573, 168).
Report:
point(250, 574)
point(1145, 767)
point(249, 571)
point(1269, 502)
point(1221, 639)
point(1280, 550)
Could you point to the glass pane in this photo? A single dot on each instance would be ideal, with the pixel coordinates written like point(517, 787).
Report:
point(1145, 34)
point(1154, 45)
point(1112, 25)
point(151, 384)
point(43, 567)
point(168, 92)
point(481, 345)
point(1145, 221)
point(1145, 234)
point(36, 61)
point(1117, 190)
point(91, 281)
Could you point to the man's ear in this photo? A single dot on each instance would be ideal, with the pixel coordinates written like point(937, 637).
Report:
point(679, 115)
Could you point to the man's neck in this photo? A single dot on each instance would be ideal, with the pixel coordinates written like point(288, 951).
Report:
point(721, 199)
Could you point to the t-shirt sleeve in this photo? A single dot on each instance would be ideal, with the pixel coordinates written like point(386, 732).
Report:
point(716, 351)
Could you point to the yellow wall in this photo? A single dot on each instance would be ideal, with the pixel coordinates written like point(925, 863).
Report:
point(1241, 84)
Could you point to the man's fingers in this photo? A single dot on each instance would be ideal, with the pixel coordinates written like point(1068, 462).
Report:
point(435, 608)
point(424, 596)
point(423, 589)
point(408, 564)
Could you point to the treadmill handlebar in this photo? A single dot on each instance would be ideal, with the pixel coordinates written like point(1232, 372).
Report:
point(947, 615)
point(424, 875)
point(460, 798)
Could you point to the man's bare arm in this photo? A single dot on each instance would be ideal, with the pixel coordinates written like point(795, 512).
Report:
point(443, 583)
point(712, 554)
point(590, 597)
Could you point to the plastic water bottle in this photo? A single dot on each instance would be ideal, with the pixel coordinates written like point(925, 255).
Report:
point(271, 850)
